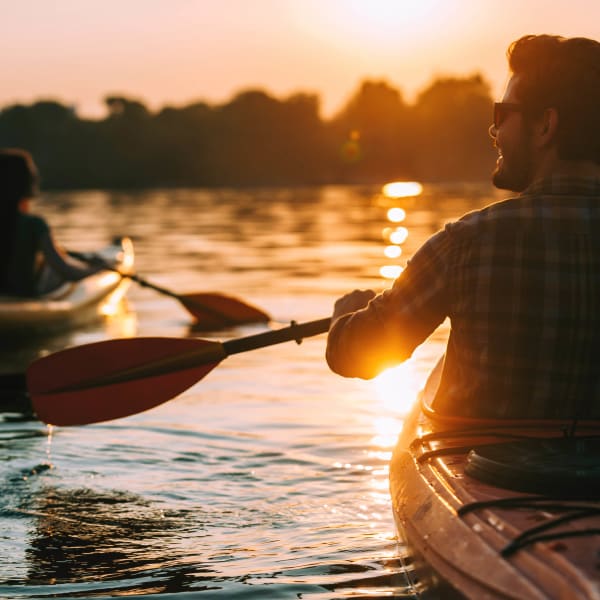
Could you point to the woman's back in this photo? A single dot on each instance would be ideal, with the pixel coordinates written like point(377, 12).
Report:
point(19, 236)
point(24, 258)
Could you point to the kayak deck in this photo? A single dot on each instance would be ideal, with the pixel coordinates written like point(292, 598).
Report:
point(477, 540)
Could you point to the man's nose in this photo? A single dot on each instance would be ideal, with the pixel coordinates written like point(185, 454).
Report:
point(492, 131)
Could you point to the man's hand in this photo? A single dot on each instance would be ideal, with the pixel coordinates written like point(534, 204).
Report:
point(352, 302)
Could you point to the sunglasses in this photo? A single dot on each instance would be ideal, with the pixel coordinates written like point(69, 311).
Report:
point(503, 109)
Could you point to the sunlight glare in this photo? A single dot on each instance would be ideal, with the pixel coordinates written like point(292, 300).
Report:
point(112, 303)
point(399, 235)
point(387, 17)
point(397, 388)
point(392, 251)
point(387, 431)
point(402, 189)
point(391, 271)
point(396, 214)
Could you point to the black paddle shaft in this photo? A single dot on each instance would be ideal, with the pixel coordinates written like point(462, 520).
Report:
point(295, 332)
point(189, 303)
point(94, 259)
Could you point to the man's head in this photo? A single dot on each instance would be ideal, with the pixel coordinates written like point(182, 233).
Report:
point(550, 107)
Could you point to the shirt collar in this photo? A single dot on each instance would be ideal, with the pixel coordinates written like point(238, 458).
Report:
point(564, 185)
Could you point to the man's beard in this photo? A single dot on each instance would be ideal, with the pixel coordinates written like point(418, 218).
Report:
point(516, 170)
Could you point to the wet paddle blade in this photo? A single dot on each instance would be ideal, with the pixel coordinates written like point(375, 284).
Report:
point(216, 310)
point(116, 378)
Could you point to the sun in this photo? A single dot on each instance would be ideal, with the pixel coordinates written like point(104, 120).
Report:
point(385, 16)
point(373, 22)
point(380, 11)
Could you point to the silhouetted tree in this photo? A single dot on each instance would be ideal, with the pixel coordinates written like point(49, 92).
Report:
point(125, 143)
point(452, 117)
point(371, 134)
point(182, 145)
point(256, 139)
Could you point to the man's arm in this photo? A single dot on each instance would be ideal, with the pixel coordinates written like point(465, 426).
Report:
point(371, 333)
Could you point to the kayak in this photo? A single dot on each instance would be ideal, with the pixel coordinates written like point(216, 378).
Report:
point(14, 397)
point(73, 303)
point(491, 509)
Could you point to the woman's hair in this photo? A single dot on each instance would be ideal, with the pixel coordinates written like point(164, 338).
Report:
point(18, 175)
point(562, 73)
point(18, 180)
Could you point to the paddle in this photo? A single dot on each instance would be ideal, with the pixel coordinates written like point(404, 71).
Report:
point(209, 309)
point(117, 378)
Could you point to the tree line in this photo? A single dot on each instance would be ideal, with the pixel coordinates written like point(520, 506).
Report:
point(256, 139)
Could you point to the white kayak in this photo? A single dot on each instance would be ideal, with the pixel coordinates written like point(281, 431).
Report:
point(73, 303)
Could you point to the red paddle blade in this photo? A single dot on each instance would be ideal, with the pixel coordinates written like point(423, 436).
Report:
point(215, 310)
point(116, 378)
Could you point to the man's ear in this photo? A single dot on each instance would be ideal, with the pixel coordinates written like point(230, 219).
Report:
point(547, 127)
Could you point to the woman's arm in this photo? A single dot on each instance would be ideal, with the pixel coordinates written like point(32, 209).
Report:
point(67, 268)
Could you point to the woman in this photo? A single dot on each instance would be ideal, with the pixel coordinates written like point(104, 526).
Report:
point(30, 262)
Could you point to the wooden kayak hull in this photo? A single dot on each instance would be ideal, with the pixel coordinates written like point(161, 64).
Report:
point(473, 539)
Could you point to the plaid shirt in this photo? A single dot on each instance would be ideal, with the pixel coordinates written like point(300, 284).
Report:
point(520, 282)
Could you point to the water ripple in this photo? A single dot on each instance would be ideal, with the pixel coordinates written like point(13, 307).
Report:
point(268, 478)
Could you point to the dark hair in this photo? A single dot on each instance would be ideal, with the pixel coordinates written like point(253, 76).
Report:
point(562, 73)
point(18, 180)
point(18, 175)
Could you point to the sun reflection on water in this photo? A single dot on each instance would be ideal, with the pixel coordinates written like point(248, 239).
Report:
point(395, 236)
point(396, 389)
point(391, 271)
point(402, 189)
point(392, 251)
point(396, 214)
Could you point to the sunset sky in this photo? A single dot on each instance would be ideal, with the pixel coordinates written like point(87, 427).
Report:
point(179, 51)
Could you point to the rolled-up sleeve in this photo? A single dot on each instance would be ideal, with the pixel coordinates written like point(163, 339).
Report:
point(386, 332)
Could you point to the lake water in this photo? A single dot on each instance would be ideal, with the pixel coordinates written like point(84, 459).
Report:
point(267, 478)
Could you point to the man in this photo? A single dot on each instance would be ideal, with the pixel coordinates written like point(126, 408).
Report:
point(520, 279)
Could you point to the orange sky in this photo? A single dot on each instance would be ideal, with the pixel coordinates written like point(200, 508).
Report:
point(179, 51)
